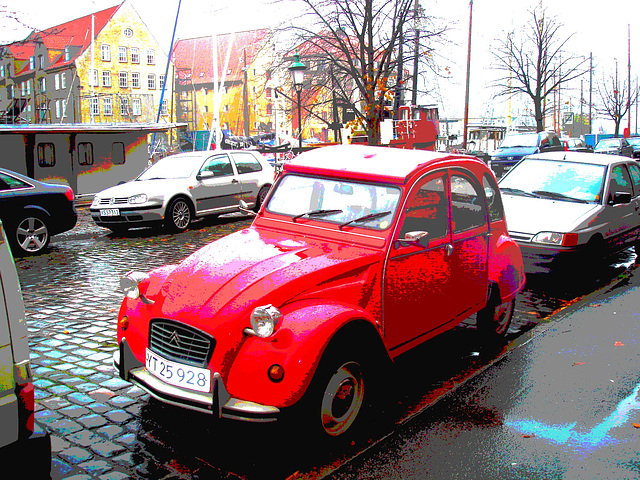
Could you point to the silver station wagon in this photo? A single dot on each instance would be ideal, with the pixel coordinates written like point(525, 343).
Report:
point(571, 208)
point(177, 189)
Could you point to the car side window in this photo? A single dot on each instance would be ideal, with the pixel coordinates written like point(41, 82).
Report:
point(620, 181)
point(246, 163)
point(427, 209)
point(220, 165)
point(634, 170)
point(467, 205)
point(7, 182)
point(494, 200)
point(555, 141)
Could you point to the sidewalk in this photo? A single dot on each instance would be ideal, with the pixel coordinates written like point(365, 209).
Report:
point(562, 404)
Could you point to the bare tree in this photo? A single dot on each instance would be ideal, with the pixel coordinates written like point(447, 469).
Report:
point(535, 64)
point(357, 47)
point(614, 97)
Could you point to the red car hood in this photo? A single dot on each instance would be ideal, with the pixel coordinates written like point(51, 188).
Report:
point(233, 275)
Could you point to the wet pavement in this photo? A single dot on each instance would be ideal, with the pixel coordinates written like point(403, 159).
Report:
point(105, 428)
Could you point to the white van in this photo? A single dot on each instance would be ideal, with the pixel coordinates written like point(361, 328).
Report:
point(21, 445)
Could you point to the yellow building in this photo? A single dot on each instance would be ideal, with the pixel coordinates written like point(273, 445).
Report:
point(59, 75)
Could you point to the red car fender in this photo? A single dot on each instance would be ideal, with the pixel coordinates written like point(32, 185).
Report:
point(304, 332)
point(507, 268)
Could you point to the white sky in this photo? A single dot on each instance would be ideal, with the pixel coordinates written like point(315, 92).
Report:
point(598, 27)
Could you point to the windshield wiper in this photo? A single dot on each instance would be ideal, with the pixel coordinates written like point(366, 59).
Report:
point(371, 216)
point(558, 196)
point(517, 191)
point(315, 213)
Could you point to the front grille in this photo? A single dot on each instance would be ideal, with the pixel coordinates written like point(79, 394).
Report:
point(522, 237)
point(114, 201)
point(181, 343)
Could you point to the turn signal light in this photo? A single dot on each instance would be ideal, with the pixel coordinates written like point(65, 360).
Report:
point(276, 373)
point(570, 240)
point(123, 323)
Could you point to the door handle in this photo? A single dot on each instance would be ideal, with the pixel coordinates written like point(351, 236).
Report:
point(234, 181)
point(449, 249)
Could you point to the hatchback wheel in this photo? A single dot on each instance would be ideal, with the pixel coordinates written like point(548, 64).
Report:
point(178, 215)
point(32, 235)
point(262, 195)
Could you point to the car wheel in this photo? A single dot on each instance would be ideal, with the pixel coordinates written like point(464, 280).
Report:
point(494, 319)
point(262, 195)
point(178, 215)
point(31, 235)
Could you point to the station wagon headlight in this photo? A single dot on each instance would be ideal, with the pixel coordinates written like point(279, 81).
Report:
point(555, 238)
point(264, 320)
point(129, 284)
point(140, 198)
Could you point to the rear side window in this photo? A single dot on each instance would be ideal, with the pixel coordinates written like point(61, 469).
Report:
point(634, 170)
point(494, 200)
point(467, 205)
point(246, 163)
point(7, 182)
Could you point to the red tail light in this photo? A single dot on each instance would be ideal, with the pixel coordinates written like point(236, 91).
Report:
point(26, 405)
point(69, 194)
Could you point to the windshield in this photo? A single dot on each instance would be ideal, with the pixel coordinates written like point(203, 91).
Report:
point(612, 143)
point(172, 167)
point(523, 140)
point(347, 203)
point(555, 179)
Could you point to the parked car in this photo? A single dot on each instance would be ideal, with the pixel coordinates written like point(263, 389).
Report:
point(575, 145)
point(515, 146)
point(24, 447)
point(358, 255)
point(614, 146)
point(568, 208)
point(33, 211)
point(178, 188)
point(635, 143)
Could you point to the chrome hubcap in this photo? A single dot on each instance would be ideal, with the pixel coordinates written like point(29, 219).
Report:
point(32, 234)
point(342, 399)
point(181, 215)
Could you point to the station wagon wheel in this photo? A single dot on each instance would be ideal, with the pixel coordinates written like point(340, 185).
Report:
point(178, 215)
point(493, 321)
point(262, 195)
point(32, 234)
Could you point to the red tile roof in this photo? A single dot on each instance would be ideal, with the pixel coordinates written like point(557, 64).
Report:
point(193, 56)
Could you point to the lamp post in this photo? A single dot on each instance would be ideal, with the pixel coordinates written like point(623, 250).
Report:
point(297, 69)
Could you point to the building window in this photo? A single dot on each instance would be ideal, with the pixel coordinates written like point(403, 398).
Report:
point(124, 106)
point(58, 109)
point(43, 85)
point(93, 78)
point(9, 92)
point(151, 57)
point(269, 109)
point(151, 81)
point(40, 61)
point(46, 155)
point(63, 80)
point(128, 32)
point(106, 78)
point(135, 79)
point(29, 87)
point(117, 153)
point(56, 81)
point(122, 54)
point(136, 105)
point(123, 79)
point(164, 110)
point(107, 107)
point(161, 81)
point(67, 54)
point(94, 106)
point(2, 71)
point(23, 88)
point(135, 55)
point(32, 63)
point(106, 52)
point(85, 153)
point(64, 108)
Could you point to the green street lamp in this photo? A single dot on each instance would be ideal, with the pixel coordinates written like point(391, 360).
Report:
point(297, 69)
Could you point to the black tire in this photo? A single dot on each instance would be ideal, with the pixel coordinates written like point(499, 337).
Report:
point(335, 401)
point(494, 319)
point(31, 235)
point(262, 195)
point(178, 215)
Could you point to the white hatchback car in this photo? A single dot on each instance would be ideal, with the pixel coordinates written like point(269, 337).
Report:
point(568, 207)
point(181, 187)
point(23, 444)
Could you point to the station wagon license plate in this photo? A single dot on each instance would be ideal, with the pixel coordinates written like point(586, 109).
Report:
point(178, 374)
point(110, 212)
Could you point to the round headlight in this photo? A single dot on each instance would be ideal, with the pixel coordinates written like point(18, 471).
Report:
point(129, 283)
point(264, 319)
point(140, 198)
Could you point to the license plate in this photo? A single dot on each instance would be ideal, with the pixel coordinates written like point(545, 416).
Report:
point(178, 374)
point(110, 212)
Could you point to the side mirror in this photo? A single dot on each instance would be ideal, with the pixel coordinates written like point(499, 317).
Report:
point(620, 198)
point(417, 238)
point(204, 174)
point(244, 208)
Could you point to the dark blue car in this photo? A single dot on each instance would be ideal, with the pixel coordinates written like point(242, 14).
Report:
point(516, 146)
